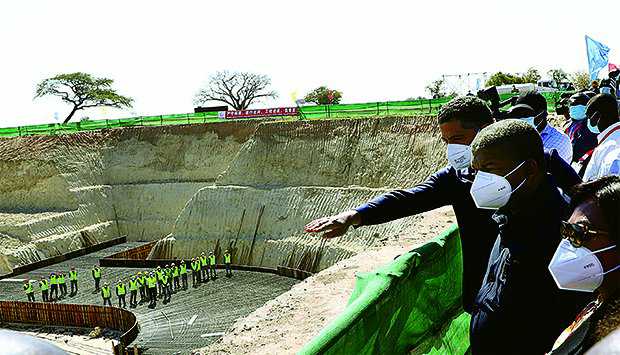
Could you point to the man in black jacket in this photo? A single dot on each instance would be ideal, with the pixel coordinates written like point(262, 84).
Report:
point(518, 309)
point(459, 122)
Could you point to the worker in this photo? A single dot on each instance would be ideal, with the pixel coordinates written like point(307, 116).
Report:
point(29, 290)
point(175, 276)
point(44, 286)
point(227, 259)
point(142, 286)
point(96, 272)
point(73, 279)
point(183, 272)
point(53, 287)
point(195, 272)
point(151, 282)
point(133, 292)
point(106, 294)
point(212, 265)
point(159, 273)
point(62, 284)
point(120, 293)
point(169, 275)
point(204, 262)
point(166, 287)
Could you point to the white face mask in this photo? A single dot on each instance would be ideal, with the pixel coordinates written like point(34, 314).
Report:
point(491, 191)
point(459, 155)
point(577, 269)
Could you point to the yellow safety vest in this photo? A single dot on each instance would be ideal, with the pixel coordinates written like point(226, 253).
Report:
point(105, 292)
point(28, 288)
point(97, 273)
point(183, 269)
point(120, 289)
point(203, 260)
point(212, 259)
point(53, 280)
point(133, 285)
point(227, 258)
point(152, 282)
point(61, 279)
point(43, 285)
point(73, 275)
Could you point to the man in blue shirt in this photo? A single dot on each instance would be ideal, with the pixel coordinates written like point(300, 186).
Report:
point(518, 309)
point(459, 122)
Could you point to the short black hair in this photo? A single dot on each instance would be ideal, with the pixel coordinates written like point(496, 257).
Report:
point(469, 110)
point(605, 104)
point(533, 99)
point(515, 139)
point(520, 111)
point(605, 193)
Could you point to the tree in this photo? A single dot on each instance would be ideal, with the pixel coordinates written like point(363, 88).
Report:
point(581, 80)
point(324, 96)
point(82, 90)
point(531, 76)
point(558, 75)
point(236, 89)
point(500, 78)
point(436, 88)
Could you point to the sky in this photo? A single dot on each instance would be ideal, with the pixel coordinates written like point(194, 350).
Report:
point(162, 52)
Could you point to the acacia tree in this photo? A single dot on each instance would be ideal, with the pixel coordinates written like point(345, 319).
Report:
point(436, 88)
point(581, 80)
point(82, 90)
point(531, 76)
point(558, 75)
point(324, 96)
point(236, 89)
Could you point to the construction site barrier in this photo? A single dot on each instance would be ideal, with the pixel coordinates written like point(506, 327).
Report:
point(57, 259)
point(73, 315)
point(136, 253)
point(369, 109)
point(412, 305)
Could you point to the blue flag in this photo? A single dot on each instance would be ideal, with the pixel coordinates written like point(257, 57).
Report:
point(597, 56)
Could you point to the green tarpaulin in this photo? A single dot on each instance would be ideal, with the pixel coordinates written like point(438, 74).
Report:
point(410, 305)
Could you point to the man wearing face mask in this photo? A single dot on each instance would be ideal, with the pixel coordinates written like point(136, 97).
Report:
point(603, 120)
point(588, 260)
point(518, 309)
point(551, 137)
point(459, 122)
point(582, 139)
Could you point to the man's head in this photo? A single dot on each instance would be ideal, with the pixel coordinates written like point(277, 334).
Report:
point(536, 101)
point(461, 118)
point(511, 149)
point(602, 112)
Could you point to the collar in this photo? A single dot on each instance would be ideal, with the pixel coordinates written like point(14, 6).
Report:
point(609, 130)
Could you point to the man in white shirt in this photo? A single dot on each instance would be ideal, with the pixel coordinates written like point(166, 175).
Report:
point(602, 113)
point(551, 137)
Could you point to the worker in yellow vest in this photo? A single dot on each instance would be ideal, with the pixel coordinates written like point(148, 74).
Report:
point(175, 276)
point(73, 277)
point(53, 287)
point(106, 294)
point(212, 265)
point(151, 283)
point(183, 273)
point(166, 287)
point(159, 273)
point(44, 286)
point(96, 276)
point(133, 292)
point(142, 286)
point(227, 260)
point(29, 290)
point(195, 272)
point(204, 266)
point(120, 293)
point(62, 284)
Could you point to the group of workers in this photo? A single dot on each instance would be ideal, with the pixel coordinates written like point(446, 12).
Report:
point(539, 237)
point(57, 282)
point(151, 285)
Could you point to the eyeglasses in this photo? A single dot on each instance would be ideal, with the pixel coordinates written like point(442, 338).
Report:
point(577, 233)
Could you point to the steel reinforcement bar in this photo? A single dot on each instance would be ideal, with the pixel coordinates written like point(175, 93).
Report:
point(73, 315)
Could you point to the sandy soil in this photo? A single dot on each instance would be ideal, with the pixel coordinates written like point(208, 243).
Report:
point(285, 324)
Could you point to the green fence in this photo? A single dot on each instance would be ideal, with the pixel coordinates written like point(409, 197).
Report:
point(410, 305)
point(370, 109)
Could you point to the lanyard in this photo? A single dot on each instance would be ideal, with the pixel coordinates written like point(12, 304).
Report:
point(608, 134)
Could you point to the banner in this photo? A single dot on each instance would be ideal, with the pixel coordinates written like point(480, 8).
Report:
point(262, 112)
point(597, 56)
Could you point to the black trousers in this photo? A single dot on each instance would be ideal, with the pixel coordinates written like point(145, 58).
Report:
point(31, 297)
point(212, 269)
point(184, 281)
point(54, 291)
point(133, 297)
point(228, 271)
point(63, 289)
point(107, 301)
point(142, 293)
point(153, 295)
point(176, 283)
point(121, 299)
point(205, 273)
point(97, 284)
point(45, 296)
point(74, 288)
